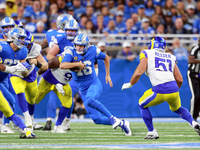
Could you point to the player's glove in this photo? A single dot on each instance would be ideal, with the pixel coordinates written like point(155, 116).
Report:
point(25, 64)
point(59, 88)
point(20, 67)
point(126, 86)
point(10, 69)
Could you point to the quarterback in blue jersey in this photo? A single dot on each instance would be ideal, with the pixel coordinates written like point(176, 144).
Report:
point(83, 56)
point(166, 79)
point(26, 88)
point(12, 52)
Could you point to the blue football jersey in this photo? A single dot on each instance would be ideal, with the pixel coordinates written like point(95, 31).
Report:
point(51, 36)
point(87, 75)
point(10, 57)
point(1, 36)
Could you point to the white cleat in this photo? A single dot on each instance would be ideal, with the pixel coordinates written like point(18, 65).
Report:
point(66, 124)
point(152, 135)
point(58, 129)
point(115, 122)
point(28, 122)
point(6, 129)
point(126, 128)
point(37, 126)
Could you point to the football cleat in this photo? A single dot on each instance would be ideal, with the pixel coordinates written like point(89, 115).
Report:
point(126, 128)
point(197, 128)
point(115, 122)
point(58, 129)
point(48, 125)
point(6, 129)
point(66, 124)
point(152, 135)
point(37, 126)
point(27, 134)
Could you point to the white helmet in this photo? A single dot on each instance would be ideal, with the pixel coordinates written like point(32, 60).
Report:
point(15, 34)
point(81, 39)
point(5, 22)
point(62, 19)
point(71, 25)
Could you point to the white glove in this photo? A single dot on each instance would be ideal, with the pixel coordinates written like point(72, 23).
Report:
point(20, 67)
point(10, 69)
point(126, 86)
point(59, 88)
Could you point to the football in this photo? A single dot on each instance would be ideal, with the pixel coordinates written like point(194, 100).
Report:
point(75, 69)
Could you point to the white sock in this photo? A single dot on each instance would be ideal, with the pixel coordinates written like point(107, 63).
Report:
point(1, 120)
point(26, 114)
point(49, 119)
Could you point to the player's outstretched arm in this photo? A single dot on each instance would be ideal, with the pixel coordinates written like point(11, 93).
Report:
point(137, 74)
point(70, 65)
point(107, 66)
point(54, 50)
point(177, 75)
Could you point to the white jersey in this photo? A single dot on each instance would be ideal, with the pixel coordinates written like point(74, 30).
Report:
point(160, 66)
point(33, 53)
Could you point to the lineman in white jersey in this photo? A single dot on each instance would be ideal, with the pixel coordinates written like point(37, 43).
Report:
point(166, 79)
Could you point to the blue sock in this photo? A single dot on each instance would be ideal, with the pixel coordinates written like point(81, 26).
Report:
point(62, 114)
point(6, 120)
point(70, 110)
point(31, 109)
point(146, 115)
point(17, 121)
point(184, 114)
point(51, 105)
point(1, 114)
point(21, 99)
point(102, 120)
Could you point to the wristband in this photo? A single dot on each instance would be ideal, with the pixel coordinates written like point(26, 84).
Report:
point(39, 65)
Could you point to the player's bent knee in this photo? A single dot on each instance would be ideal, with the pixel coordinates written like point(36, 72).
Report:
point(67, 104)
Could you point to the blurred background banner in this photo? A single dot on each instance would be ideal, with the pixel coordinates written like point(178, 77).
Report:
point(124, 104)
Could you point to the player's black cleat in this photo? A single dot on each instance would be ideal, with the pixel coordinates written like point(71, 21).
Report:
point(48, 125)
point(197, 129)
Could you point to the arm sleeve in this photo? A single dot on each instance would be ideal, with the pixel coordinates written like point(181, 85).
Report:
point(143, 54)
point(99, 54)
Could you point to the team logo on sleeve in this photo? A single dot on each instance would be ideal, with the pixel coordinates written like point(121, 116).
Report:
point(75, 58)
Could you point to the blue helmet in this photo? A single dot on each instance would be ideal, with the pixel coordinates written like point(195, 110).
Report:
point(7, 22)
point(81, 39)
point(158, 43)
point(62, 19)
point(17, 35)
point(19, 24)
point(71, 25)
point(29, 40)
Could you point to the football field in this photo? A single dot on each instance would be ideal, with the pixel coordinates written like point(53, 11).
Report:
point(84, 134)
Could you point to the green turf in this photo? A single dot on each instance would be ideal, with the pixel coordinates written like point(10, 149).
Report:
point(87, 133)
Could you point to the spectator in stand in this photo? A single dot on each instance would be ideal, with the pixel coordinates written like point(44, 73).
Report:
point(2, 10)
point(45, 6)
point(121, 2)
point(180, 8)
point(40, 27)
point(53, 13)
point(173, 11)
point(130, 8)
point(126, 52)
point(160, 29)
point(168, 23)
point(106, 15)
point(38, 15)
point(190, 14)
point(78, 9)
point(14, 16)
point(134, 17)
point(29, 26)
point(90, 13)
point(167, 7)
point(120, 24)
point(62, 8)
point(83, 20)
point(111, 30)
point(20, 12)
point(180, 52)
point(90, 29)
point(97, 5)
point(145, 29)
point(149, 10)
point(27, 5)
point(187, 25)
point(102, 46)
point(141, 15)
point(178, 28)
point(10, 7)
point(154, 21)
point(158, 11)
point(130, 29)
point(120, 7)
point(99, 24)
point(70, 10)
point(111, 7)
point(197, 10)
